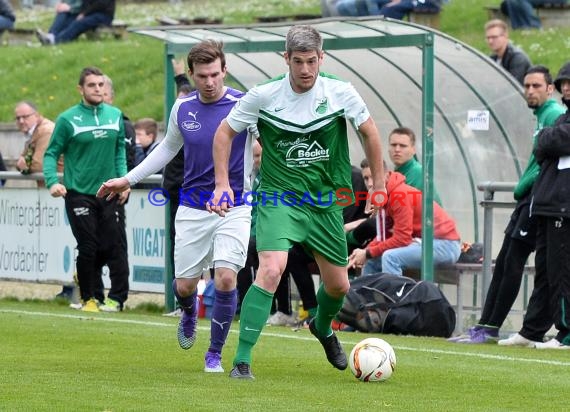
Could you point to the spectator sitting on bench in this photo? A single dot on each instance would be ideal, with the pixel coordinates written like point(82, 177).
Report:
point(398, 9)
point(66, 12)
point(92, 14)
point(403, 249)
point(7, 16)
point(521, 12)
point(394, 9)
point(402, 152)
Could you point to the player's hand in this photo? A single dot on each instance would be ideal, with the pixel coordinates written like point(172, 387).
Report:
point(58, 190)
point(378, 198)
point(178, 66)
point(113, 187)
point(357, 258)
point(21, 164)
point(124, 196)
point(221, 201)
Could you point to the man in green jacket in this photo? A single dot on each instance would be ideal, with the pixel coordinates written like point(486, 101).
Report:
point(520, 234)
point(91, 137)
point(402, 152)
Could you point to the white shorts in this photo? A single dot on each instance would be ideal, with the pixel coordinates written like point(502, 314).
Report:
point(204, 238)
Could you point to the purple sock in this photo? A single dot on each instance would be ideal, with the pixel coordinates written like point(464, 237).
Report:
point(225, 305)
point(187, 303)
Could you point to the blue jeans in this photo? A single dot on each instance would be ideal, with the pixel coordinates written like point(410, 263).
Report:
point(374, 6)
point(5, 24)
point(352, 8)
point(78, 27)
point(394, 261)
point(521, 12)
point(61, 22)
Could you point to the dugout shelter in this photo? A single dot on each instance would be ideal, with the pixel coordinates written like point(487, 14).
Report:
point(469, 115)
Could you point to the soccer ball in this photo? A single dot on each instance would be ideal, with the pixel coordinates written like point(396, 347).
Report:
point(372, 360)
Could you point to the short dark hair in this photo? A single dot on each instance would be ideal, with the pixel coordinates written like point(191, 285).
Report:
point(541, 69)
point(406, 131)
point(87, 71)
point(364, 164)
point(185, 89)
point(205, 52)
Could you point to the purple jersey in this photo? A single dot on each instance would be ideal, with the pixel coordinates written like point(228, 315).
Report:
point(197, 123)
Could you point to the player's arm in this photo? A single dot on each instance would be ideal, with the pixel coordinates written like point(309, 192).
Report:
point(156, 160)
point(221, 149)
point(373, 151)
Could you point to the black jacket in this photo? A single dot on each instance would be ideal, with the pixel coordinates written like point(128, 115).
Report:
point(515, 61)
point(98, 6)
point(551, 191)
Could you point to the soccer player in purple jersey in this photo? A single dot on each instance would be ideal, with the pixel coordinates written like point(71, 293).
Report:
point(202, 239)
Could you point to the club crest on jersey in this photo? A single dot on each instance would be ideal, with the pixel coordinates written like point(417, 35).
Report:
point(192, 125)
point(303, 154)
point(322, 106)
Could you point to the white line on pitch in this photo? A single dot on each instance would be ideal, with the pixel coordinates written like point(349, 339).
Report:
point(104, 318)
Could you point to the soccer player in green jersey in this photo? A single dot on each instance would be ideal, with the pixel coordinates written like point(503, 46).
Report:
point(302, 120)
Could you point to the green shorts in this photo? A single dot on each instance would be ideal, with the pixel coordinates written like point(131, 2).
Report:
point(279, 226)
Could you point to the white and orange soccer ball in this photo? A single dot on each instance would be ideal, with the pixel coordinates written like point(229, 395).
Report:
point(372, 360)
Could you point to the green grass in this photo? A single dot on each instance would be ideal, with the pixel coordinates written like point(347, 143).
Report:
point(57, 359)
point(48, 76)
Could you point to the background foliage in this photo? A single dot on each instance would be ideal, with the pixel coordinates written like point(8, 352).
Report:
point(48, 75)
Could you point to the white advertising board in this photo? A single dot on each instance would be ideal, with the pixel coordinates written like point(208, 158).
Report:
point(36, 242)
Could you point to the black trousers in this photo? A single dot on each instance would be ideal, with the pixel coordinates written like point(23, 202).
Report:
point(518, 244)
point(246, 276)
point(550, 299)
point(506, 281)
point(114, 253)
point(98, 228)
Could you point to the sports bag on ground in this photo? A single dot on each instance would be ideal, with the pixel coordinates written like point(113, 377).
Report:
point(397, 304)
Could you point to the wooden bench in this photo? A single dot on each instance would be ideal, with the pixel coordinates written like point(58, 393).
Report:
point(294, 17)
point(18, 36)
point(494, 12)
point(183, 21)
point(554, 15)
point(550, 14)
point(117, 29)
point(425, 16)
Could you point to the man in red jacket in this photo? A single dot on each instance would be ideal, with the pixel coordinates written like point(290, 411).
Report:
point(403, 249)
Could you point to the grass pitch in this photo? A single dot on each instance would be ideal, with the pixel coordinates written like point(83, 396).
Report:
point(56, 359)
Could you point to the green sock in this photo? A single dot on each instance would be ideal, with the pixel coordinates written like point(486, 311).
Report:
point(326, 311)
point(254, 312)
point(312, 312)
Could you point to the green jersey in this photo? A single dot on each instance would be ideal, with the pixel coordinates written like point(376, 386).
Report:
point(304, 136)
point(546, 115)
point(92, 141)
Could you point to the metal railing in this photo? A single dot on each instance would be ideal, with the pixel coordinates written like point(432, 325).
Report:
point(14, 175)
point(489, 188)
